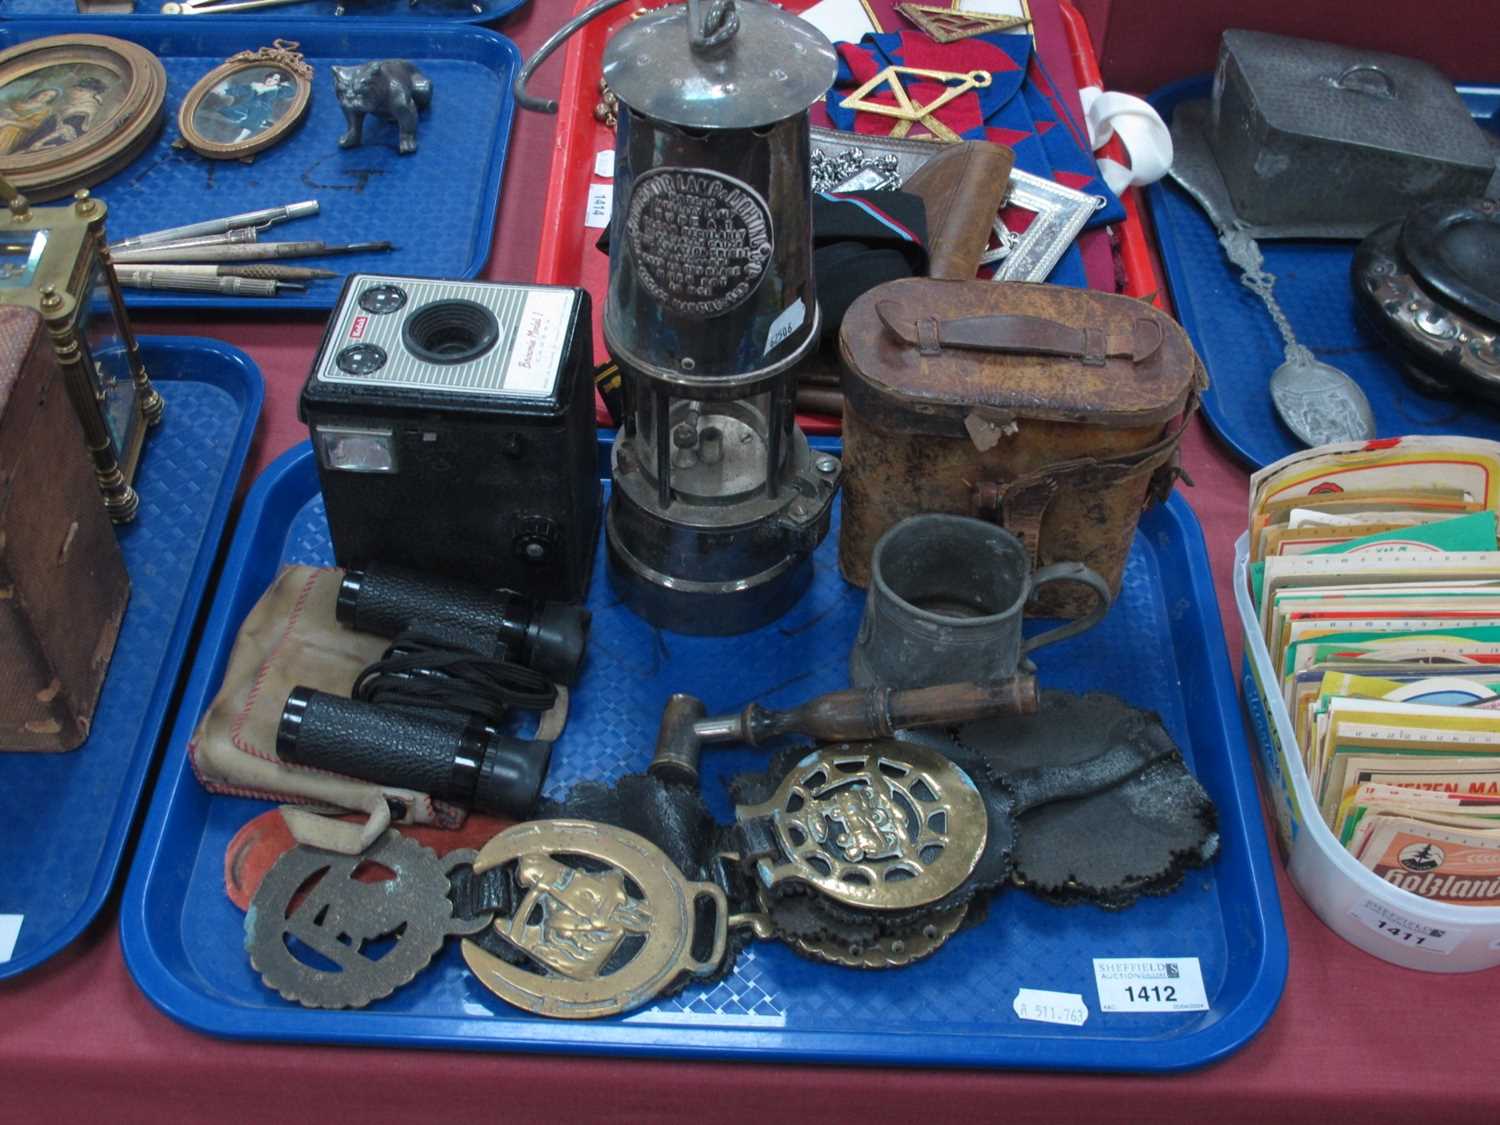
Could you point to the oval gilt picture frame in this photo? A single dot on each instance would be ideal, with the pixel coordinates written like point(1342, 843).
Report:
point(74, 110)
point(247, 104)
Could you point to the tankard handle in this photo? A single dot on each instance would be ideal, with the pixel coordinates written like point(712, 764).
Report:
point(530, 101)
point(1068, 572)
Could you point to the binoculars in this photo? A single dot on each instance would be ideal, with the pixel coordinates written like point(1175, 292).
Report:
point(548, 637)
point(449, 755)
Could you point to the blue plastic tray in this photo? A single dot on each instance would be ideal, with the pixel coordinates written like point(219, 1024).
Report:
point(457, 11)
point(1241, 347)
point(68, 816)
point(1161, 646)
point(438, 205)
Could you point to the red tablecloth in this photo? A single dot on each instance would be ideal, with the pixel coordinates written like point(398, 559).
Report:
point(1352, 1035)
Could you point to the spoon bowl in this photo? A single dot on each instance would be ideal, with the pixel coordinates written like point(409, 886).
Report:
point(1320, 403)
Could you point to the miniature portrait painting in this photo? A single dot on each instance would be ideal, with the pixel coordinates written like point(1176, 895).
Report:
point(245, 104)
point(55, 105)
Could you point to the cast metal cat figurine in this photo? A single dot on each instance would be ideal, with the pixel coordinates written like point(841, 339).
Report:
point(392, 89)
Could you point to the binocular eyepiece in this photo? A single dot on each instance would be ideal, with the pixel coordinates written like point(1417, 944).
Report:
point(548, 637)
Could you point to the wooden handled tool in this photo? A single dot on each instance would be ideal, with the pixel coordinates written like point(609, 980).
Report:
point(858, 713)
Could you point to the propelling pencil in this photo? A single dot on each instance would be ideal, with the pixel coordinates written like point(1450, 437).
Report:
point(264, 272)
point(261, 219)
point(246, 252)
point(146, 277)
point(277, 273)
point(223, 238)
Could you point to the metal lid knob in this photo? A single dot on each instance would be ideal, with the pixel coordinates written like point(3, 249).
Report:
point(719, 64)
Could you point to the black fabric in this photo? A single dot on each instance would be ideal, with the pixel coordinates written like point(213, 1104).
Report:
point(854, 251)
point(473, 894)
point(671, 816)
point(846, 217)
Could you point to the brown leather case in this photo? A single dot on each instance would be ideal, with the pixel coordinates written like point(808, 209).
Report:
point(63, 585)
point(963, 187)
point(1053, 411)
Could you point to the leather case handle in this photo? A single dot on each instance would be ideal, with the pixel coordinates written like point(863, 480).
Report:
point(1014, 334)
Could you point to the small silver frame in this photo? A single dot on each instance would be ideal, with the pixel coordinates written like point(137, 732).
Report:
point(1060, 213)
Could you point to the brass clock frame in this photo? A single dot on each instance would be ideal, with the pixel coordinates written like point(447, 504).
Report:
point(73, 257)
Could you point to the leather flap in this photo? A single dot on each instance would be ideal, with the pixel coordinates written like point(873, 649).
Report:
point(932, 351)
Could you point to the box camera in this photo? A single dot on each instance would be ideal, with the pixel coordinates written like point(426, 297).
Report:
point(454, 428)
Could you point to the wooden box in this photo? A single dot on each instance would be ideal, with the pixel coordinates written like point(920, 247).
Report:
point(63, 585)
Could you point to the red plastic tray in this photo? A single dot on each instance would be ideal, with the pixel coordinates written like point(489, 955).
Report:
point(568, 256)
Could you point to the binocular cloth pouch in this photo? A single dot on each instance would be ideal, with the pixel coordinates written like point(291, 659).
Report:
point(291, 638)
point(1052, 411)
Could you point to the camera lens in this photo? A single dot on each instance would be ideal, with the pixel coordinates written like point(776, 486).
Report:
point(451, 331)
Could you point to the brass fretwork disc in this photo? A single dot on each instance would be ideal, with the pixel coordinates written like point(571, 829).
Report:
point(879, 825)
point(887, 952)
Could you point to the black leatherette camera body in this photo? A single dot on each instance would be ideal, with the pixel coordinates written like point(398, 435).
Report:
point(487, 486)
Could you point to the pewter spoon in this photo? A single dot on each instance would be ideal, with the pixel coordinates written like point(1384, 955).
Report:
point(1318, 402)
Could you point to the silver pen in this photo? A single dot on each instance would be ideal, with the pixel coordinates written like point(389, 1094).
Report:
point(262, 218)
point(225, 238)
point(164, 277)
point(261, 270)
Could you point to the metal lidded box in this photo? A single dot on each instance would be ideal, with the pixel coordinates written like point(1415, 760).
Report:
point(1304, 131)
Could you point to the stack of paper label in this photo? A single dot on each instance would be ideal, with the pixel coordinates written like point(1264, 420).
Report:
point(1376, 575)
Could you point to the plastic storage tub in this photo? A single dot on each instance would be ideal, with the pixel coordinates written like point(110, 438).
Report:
point(1363, 909)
